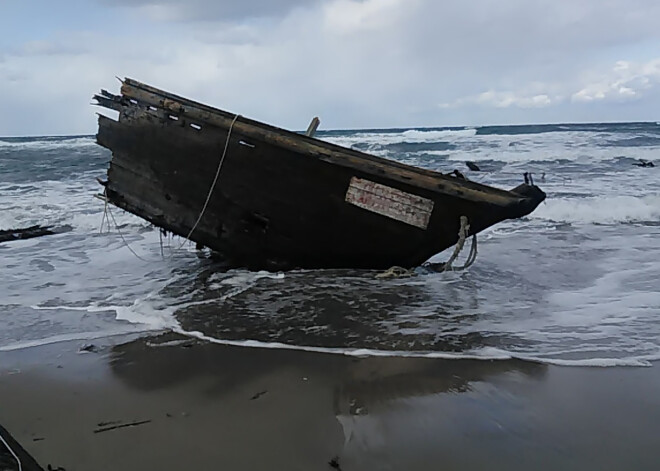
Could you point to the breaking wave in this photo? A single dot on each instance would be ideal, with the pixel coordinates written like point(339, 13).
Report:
point(56, 203)
point(411, 136)
point(468, 144)
point(48, 143)
point(601, 210)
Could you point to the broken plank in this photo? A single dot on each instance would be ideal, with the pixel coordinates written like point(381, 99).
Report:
point(25, 233)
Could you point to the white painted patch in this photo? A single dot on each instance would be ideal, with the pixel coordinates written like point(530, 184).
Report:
point(390, 202)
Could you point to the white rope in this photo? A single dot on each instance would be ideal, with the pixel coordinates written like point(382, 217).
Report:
point(20, 466)
point(215, 180)
point(119, 232)
point(105, 213)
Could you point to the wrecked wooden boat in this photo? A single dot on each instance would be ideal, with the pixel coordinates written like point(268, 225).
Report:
point(266, 198)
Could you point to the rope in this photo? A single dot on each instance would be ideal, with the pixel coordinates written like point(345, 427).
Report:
point(160, 238)
point(400, 272)
point(396, 272)
point(462, 233)
point(20, 466)
point(215, 180)
point(105, 213)
point(472, 256)
point(122, 235)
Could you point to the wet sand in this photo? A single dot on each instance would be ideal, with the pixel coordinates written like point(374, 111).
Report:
point(170, 403)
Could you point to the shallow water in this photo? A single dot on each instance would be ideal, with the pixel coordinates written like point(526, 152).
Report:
point(573, 283)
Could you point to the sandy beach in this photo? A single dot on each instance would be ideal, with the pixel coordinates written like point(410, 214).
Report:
point(167, 402)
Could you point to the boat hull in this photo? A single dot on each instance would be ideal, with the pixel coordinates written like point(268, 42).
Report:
point(282, 200)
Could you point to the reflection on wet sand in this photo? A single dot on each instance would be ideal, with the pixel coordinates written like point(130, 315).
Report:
point(163, 361)
point(352, 394)
point(376, 381)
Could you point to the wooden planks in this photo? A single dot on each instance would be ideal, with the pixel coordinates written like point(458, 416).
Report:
point(199, 113)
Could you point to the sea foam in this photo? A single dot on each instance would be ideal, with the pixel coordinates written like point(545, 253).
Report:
point(415, 136)
point(49, 143)
point(601, 209)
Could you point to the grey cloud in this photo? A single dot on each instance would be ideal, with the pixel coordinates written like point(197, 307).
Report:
point(212, 10)
point(518, 30)
point(472, 47)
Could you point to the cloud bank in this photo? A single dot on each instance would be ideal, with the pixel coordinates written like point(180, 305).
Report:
point(368, 63)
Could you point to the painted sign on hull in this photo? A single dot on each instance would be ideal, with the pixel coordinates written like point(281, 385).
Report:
point(391, 202)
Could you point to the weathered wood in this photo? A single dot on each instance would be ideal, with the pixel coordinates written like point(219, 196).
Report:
point(283, 200)
point(150, 96)
point(644, 163)
point(313, 126)
point(25, 233)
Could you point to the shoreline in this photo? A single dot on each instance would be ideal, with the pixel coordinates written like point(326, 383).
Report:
point(492, 354)
point(170, 402)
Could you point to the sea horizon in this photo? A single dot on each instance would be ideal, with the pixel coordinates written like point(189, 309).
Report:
point(393, 129)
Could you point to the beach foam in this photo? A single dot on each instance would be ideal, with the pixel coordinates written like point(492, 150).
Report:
point(484, 354)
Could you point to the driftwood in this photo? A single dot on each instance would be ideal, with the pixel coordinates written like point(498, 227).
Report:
point(8, 235)
point(106, 427)
point(644, 163)
point(8, 461)
point(25, 233)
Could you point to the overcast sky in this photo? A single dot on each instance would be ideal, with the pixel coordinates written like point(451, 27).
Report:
point(354, 63)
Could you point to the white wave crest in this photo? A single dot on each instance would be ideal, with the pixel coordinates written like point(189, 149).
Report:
point(601, 210)
point(49, 143)
point(412, 136)
point(57, 203)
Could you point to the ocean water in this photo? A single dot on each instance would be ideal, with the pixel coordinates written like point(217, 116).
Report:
point(575, 283)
